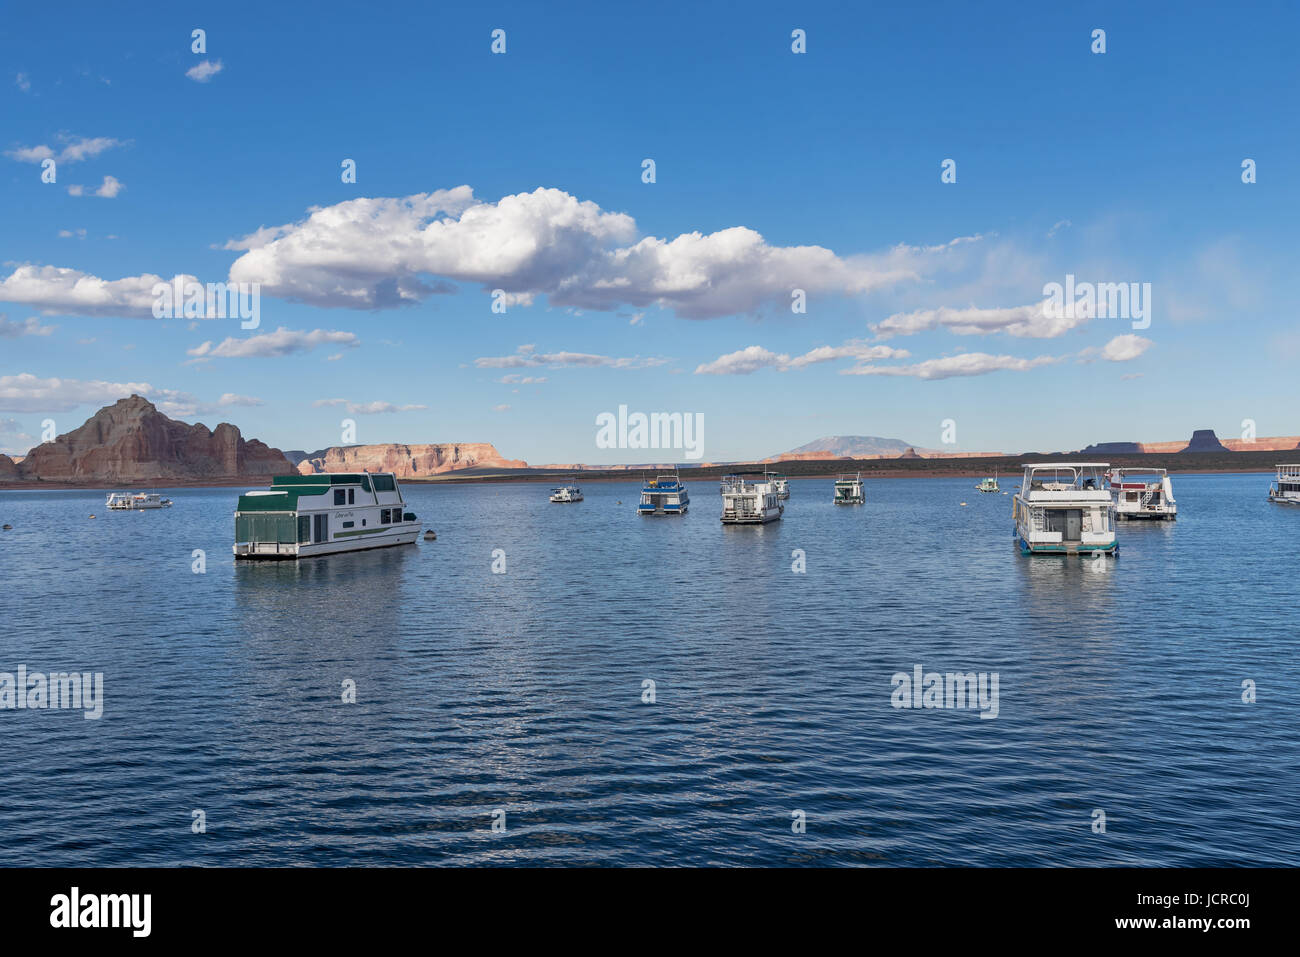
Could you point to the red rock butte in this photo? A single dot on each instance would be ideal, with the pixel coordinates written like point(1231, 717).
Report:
point(409, 461)
point(131, 441)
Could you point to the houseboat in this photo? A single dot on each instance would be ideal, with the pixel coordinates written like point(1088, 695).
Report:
point(989, 484)
point(1064, 508)
point(567, 493)
point(781, 483)
point(664, 495)
point(302, 516)
point(126, 501)
point(1286, 490)
point(848, 490)
point(750, 499)
point(1143, 494)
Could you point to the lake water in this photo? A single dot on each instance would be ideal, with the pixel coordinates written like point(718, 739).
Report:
point(1120, 685)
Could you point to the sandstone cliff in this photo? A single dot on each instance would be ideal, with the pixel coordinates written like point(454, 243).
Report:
point(409, 461)
point(131, 441)
point(8, 469)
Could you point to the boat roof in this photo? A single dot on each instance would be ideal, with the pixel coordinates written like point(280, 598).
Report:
point(1066, 465)
point(278, 500)
point(324, 478)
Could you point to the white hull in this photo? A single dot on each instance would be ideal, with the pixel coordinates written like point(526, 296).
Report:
point(402, 534)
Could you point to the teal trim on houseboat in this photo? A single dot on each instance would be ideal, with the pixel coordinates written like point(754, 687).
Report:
point(284, 500)
point(323, 478)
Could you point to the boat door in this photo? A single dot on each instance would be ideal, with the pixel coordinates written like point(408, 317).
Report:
point(1073, 524)
point(320, 529)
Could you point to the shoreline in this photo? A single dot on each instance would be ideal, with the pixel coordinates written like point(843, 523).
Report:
point(893, 471)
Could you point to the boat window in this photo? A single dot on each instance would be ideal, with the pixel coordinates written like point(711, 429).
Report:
point(384, 517)
point(352, 496)
point(365, 483)
point(304, 529)
point(383, 483)
point(340, 497)
point(348, 524)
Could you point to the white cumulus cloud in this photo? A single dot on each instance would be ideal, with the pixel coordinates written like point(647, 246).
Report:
point(371, 253)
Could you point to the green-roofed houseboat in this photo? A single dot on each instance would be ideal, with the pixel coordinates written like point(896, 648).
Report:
point(302, 516)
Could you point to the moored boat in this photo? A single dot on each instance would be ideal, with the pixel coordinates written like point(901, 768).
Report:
point(567, 493)
point(127, 501)
point(989, 484)
point(848, 490)
point(1286, 491)
point(302, 516)
point(1143, 494)
point(664, 495)
point(781, 483)
point(749, 499)
point(1064, 508)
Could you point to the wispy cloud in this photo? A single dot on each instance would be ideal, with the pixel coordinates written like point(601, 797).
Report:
point(1031, 321)
point(205, 71)
point(515, 378)
point(282, 342)
point(948, 367)
point(23, 82)
point(527, 357)
point(73, 150)
point(107, 190)
point(753, 358)
point(367, 408)
point(10, 329)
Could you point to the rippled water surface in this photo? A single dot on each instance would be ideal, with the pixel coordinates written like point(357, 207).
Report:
point(1120, 685)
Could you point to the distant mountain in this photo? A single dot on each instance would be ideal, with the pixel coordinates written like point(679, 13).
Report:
point(1204, 440)
point(1113, 448)
point(852, 446)
point(407, 461)
point(131, 441)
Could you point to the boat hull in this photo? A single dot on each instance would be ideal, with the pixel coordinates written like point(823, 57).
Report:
point(752, 520)
point(390, 537)
point(1066, 548)
point(1147, 516)
point(1283, 500)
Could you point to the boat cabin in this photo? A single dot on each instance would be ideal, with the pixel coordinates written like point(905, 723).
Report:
point(304, 515)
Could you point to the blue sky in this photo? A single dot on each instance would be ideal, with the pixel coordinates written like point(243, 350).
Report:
point(922, 296)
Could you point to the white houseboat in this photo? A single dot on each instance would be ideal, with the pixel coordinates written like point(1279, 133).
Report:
point(665, 495)
point(989, 484)
point(138, 500)
point(750, 500)
point(567, 493)
point(1286, 490)
point(1064, 508)
point(848, 490)
point(1143, 494)
point(302, 516)
point(781, 483)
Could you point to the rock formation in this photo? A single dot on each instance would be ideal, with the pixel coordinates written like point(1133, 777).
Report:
point(8, 469)
point(1204, 440)
point(409, 461)
point(131, 441)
